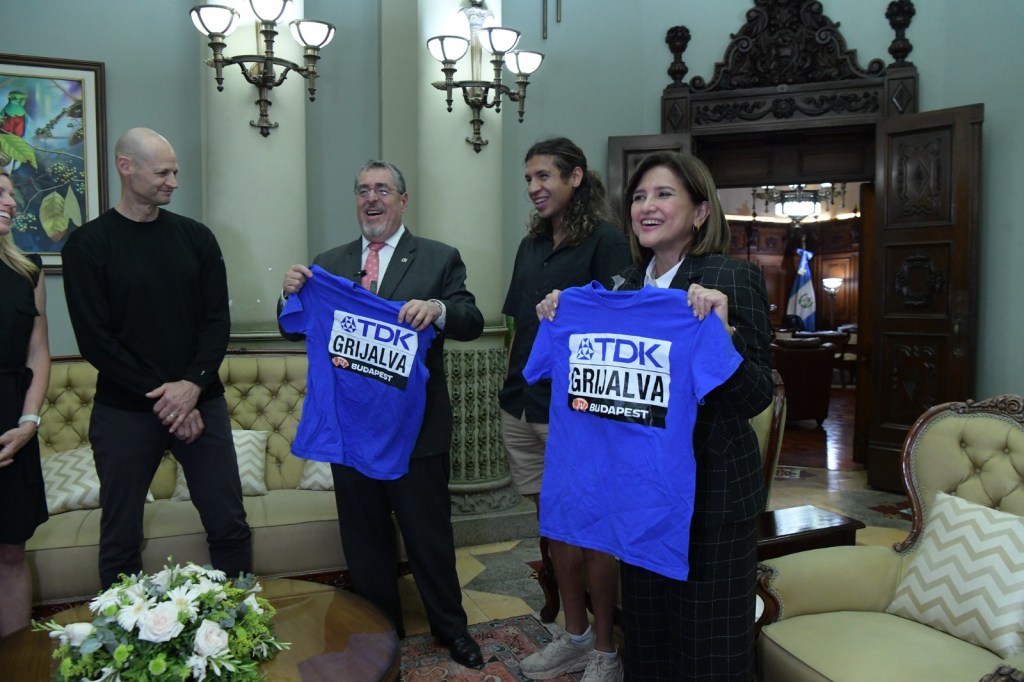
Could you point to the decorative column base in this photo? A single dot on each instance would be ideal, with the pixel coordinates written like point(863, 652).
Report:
point(480, 480)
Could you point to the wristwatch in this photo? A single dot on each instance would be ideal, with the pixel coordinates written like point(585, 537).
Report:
point(34, 418)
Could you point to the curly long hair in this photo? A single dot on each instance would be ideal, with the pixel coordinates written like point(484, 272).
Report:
point(589, 204)
point(714, 235)
point(10, 254)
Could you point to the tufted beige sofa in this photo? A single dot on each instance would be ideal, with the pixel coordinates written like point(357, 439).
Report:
point(827, 607)
point(294, 531)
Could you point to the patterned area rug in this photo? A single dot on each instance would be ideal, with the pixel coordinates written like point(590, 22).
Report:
point(896, 510)
point(503, 643)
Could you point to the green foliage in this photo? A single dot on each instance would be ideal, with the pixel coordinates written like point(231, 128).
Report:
point(17, 149)
point(182, 623)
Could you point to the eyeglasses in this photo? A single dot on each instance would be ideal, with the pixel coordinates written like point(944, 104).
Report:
point(382, 191)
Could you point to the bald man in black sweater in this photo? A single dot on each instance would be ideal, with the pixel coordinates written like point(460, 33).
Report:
point(147, 295)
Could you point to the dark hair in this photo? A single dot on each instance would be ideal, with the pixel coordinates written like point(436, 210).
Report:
point(589, 204)
point(714, 236)
point(374, 164)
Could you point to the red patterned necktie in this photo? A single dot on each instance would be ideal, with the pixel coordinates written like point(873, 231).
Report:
point(372, 267)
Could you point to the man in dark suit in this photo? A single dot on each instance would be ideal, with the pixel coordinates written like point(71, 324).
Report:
point(430, 277)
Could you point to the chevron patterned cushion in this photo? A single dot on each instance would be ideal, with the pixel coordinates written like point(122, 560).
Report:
point(251, 451)
point(316, 476)
point(967, 576)
point(71, 481)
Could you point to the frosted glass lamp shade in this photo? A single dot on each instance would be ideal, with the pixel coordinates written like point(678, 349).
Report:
point(499, 40)
point(311, 33)
point(832, 284)
point(269, 10)
point(523, 61)
point(217, 19)
point(447, 48)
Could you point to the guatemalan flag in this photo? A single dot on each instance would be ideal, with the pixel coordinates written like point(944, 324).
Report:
point(801, 297)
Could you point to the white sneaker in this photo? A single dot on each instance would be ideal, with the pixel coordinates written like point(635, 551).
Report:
point(561, 656)
point(603, 668)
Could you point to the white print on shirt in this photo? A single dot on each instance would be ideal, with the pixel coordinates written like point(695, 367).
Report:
point(620, 377)
point(381, 351)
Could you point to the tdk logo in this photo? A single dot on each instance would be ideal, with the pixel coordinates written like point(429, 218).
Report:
point(378, 332)
point(619, 349)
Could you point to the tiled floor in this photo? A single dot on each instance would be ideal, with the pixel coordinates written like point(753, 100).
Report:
point(496, 580)
point(480, 606)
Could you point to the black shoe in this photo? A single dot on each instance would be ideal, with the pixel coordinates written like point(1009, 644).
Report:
point(466, 651)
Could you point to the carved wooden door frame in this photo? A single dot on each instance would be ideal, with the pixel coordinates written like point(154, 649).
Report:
point(787, 98)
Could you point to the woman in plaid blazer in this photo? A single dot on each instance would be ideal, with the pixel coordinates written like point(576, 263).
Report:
point(703, 627)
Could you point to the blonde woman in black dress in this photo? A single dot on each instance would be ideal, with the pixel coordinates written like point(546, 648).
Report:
point(24, 376)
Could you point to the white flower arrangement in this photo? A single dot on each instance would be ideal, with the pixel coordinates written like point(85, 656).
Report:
point(182, 623)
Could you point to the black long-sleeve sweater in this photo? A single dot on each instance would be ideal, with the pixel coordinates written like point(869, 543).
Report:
point(148, 303)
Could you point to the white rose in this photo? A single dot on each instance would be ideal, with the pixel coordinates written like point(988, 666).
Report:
point(73, 634)
point(77, 632)
point(211, 639)
point(160, 623)
point(253, 604)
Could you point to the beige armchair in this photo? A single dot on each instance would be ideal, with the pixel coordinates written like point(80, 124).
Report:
point(827, 608)
point(769, 426)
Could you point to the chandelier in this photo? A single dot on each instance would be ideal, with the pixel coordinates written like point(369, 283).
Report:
point(477, 93)
point(797, 202)
point(218, 21)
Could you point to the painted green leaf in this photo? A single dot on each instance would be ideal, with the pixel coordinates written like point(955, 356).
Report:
point(16, 148)
point(72, 211)
point(51, 215)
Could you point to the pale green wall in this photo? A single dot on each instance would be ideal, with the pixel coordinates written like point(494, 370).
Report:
point(603, 76)
point(152, 63)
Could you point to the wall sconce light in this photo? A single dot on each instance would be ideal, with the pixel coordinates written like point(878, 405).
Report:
point(218, 21)
point(477, 93)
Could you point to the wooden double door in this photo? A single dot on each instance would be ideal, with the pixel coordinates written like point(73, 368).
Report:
point(918, 261)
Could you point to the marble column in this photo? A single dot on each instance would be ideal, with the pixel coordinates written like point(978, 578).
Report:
point(455, 197)
point(255, 186)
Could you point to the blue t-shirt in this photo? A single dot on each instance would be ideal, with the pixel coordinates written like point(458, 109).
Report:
point(628, 369)
point(366, 387)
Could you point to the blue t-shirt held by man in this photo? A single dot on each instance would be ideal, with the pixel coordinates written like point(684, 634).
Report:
point(367, 374)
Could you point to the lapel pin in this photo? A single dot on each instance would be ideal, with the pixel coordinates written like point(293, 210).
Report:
point(405, 260)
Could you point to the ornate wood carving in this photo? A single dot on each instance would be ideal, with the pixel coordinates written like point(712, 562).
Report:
point(918, 281)
point(899, 14)
point(789, 63)
point(786, 42)
point(922, 180)
point(914, 384)
point(1007, 405)
point(678, 38)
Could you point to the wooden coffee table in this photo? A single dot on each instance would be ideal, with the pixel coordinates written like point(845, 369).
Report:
point(785, 531)
point(334, 635)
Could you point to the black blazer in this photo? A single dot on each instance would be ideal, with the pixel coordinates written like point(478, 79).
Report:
point(422, 269)
point(730, 485)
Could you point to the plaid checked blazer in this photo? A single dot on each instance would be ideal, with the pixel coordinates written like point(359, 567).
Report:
point(729, 481)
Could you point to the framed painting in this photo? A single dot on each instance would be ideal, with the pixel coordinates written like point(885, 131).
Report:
point(53, 145)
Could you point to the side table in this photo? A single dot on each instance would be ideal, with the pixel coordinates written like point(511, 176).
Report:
point(786, 531)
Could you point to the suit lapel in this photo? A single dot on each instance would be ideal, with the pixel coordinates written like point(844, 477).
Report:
point(691, 271)
point(352, 261)
point(401, 260)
